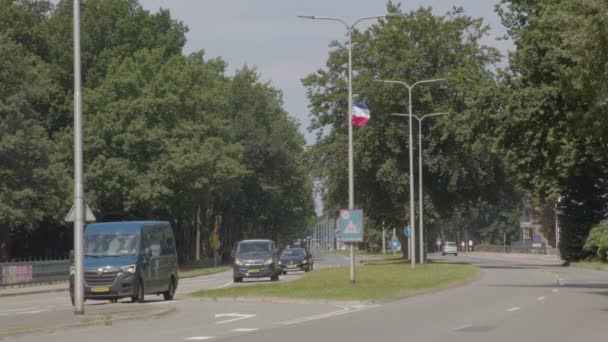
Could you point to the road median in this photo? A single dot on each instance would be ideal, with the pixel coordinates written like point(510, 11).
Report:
point(377, 281)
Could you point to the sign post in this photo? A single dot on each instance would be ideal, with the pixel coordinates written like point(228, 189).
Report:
point(351, 228)
point(407, 230)
point(438, 245)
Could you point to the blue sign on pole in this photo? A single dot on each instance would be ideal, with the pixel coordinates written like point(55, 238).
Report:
point(351, 225)
point(406, 231)
point(395, 244)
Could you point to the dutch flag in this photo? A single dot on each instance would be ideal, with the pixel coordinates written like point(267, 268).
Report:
point(360, 115)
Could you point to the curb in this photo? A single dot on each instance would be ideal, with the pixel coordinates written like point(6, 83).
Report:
point(32, 292)
point(97, 320)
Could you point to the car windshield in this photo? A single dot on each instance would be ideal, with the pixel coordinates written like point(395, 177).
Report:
point(254, 248)
point(292, 253)
point(451, 244)
point(118, 244)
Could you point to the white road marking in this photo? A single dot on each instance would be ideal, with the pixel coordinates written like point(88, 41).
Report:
point(15, 310)
point(540, 298)
point(198, 338)
point(345, 310)
point(237, 317)
point(555, 290)
point(245, 329)
point(31, 312)
point(225, 285)
point(162, 302)
point(463, 327)
point(514, 309)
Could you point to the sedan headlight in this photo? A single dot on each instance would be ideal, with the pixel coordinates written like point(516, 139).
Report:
point(305, 261)
point(268, 262)
point(238, 262)
point(280, 262)
point(128, 269)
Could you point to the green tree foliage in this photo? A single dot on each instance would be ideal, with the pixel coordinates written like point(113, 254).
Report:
point(166, 136)
point(460, 169)
point(553, 130)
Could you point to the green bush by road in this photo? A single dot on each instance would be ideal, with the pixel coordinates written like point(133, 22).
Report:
point(377, 280)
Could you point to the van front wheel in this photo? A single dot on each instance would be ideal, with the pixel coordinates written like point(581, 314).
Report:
point(171, 291)
point(139, 294)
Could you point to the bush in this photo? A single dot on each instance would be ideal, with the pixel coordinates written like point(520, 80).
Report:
point(597, 242)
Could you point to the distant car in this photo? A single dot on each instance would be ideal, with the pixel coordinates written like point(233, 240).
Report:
point(296, 259)
point(255, 259)
point(450, 248)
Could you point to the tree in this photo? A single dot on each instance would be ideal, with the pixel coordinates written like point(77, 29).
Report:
point(460, 168)
point(553, 127)
point(31, 186)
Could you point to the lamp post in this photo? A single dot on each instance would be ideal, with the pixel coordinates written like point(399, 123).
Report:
point(351, 191)
point(411, 168)
point(420, 191)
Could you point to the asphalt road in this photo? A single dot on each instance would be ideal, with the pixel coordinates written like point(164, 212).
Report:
point(515, 300)
point(35, 304)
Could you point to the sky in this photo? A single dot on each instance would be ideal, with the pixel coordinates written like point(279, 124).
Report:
point(268, 35)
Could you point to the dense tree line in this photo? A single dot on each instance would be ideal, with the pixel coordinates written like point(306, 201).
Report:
point(166, 136)
point(535, 130)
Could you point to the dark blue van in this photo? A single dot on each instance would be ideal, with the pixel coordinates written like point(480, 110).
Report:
point(128, 260)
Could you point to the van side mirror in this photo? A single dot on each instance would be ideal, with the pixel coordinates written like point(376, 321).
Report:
point(71, 255)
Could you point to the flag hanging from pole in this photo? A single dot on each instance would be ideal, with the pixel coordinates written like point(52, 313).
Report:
point(360, 115)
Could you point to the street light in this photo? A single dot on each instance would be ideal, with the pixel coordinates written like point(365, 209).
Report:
point(412, 218)
point(351, 191)
point(420, 191)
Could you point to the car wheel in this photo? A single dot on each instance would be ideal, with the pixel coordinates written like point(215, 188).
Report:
point(72, 299)
point(139, 294)
point(237, 279)
point(284, 272)
point(171, 291)
point(455, 254)
point(443, 254)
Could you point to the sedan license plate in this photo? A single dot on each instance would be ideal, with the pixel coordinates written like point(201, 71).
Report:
point(292, 266)
point(254, 270)
point(100, 289)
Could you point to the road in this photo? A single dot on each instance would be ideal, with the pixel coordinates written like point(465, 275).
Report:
point(515, 299)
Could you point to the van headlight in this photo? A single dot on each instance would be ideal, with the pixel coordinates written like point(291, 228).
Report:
point(238, 262)
point(268, 262)
point(72, 270)
point(128, 269)
point(305, 261)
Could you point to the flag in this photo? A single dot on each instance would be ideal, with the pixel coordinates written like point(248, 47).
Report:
point(360, 115)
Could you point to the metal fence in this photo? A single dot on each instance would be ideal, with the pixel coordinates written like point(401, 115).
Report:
point(31, 272)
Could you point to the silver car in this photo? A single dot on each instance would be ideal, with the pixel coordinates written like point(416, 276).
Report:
point(450, 248)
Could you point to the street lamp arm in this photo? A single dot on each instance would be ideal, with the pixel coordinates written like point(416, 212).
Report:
point(433, 114)
point(366, 18)
point(394, 82)
point(413, 115)
point(428, 81)
point(314, 17)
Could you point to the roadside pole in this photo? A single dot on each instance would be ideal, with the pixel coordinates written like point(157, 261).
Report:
point(383, 240)
point(394, 238)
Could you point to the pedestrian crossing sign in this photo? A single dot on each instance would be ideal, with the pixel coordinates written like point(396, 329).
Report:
point(351, 225)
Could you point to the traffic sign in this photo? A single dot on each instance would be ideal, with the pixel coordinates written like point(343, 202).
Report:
point(407, 231)
point(395, 244)
point(438, 242)
point(88, 214)
point(351, 225)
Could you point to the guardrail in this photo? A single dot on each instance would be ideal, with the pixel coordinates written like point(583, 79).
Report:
point(31, 272)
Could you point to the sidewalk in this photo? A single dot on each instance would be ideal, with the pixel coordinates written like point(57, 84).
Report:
point(64, 318)
point(33, 289)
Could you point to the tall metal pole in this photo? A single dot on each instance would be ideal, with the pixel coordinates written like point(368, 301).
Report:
point(383, 239)
point(78, 187)
point(412, 214)
point(351, 188)
point(420, 192)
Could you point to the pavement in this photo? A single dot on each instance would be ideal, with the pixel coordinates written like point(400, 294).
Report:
point(523, 298)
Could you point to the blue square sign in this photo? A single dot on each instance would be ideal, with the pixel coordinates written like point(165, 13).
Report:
point(351, 225)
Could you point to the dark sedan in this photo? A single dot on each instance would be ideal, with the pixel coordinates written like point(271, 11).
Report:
point(296, 259)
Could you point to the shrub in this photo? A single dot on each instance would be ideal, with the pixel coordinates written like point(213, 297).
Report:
point(597, 242)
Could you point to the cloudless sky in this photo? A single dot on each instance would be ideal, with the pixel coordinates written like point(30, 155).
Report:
point(268, 35)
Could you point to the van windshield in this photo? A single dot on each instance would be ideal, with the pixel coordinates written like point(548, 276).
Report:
point(118, 244)
point(254, 248)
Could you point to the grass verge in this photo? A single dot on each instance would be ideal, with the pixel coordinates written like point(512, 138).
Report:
point(189, 273)
point(592, 265)
point(376, 280)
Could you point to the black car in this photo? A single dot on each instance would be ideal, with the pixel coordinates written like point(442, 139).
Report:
point(296, 259)
point(256, 259)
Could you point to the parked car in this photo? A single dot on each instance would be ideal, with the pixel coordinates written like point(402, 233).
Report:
point(449, 248)
point(256, 259)
point(296, 259)
point(128, 260)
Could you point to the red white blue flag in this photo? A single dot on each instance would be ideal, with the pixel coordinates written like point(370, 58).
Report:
point(360, 115)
